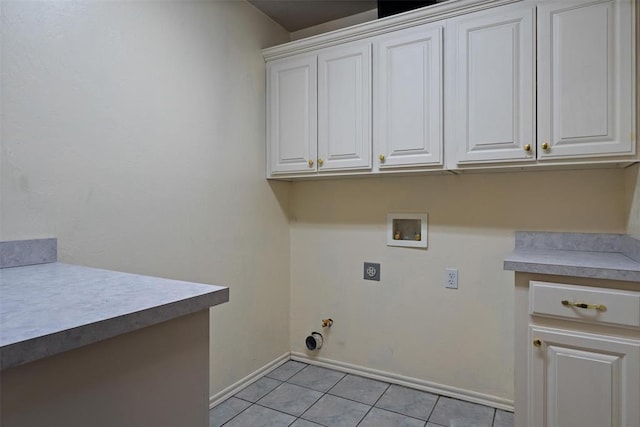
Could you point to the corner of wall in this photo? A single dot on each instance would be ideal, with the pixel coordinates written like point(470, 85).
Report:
point(632, 191)
point(632, 182)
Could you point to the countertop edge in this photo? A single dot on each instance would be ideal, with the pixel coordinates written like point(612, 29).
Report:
point(571, 270)
point(30, 350)
point(588, 255)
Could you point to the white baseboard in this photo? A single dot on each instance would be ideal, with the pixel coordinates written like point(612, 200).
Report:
point(445, 390)
point(239, 385)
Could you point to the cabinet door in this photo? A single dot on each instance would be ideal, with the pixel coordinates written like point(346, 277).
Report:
point(583, 380)
point(408, 102)
point(292, 115)
point(585, 72)
point(344, 107)
point(491, 89)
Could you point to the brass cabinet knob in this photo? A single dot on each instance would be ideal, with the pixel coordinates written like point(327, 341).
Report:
point(545, 146)
point(320, 162)
point(527, 148)
point(310, 163)
point(537, 342)
point(381, 157)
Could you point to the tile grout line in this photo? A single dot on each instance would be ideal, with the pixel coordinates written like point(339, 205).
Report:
point(236, 415)
point(247, 400)
point(374, 404)
point(357, 401)
point(287, 382)
point(310, 406)
point(406, 415)
point(289, 377)
point(433, 409)
point(329, 393)
point(324, 393)
point(262, 406)
point(307, 388)
point(493, 420)
point(278, 410)
point(320, 391)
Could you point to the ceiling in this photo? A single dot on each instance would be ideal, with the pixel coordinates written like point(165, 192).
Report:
point(295, 15)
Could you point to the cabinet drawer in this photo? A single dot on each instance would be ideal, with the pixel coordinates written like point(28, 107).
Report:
point(586, 304)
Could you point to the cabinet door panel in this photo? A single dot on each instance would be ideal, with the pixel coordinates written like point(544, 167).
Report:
point(492, 89)
point(583, 380)
point(344, 108)
point(585, 100)
point(408, 106)
point(292, 115)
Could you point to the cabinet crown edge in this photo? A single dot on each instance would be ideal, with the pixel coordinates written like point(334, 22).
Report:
point(436, 12)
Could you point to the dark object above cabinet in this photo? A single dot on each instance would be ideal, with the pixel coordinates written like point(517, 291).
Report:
point(392, 7)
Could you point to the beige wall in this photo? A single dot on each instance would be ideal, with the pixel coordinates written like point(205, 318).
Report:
point(633, 173)
point(407, 323)
point(134, 132)
point(632, 187)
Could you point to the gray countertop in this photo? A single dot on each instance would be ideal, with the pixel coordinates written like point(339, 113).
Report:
point(46, 309)
point(601, 256)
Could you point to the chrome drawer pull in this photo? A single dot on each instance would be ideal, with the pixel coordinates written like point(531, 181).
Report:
point(599, 307)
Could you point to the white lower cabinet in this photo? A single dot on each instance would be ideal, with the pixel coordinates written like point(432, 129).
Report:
point(577, 353)
point(583, 380)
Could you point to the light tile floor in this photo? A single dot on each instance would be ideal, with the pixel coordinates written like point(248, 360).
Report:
point(300, 395)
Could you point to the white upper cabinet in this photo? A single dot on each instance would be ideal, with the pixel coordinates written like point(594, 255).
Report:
point(408, 102)
point(490, 88)
point(292, 115)
point(460, 85)
point(344, 108)
point(585, 79)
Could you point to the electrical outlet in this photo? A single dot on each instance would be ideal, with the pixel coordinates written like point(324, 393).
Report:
point(451, 279)
point(371, 271)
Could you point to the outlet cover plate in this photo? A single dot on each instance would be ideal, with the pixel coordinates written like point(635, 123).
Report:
point(371, 271)
point(451, 279)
